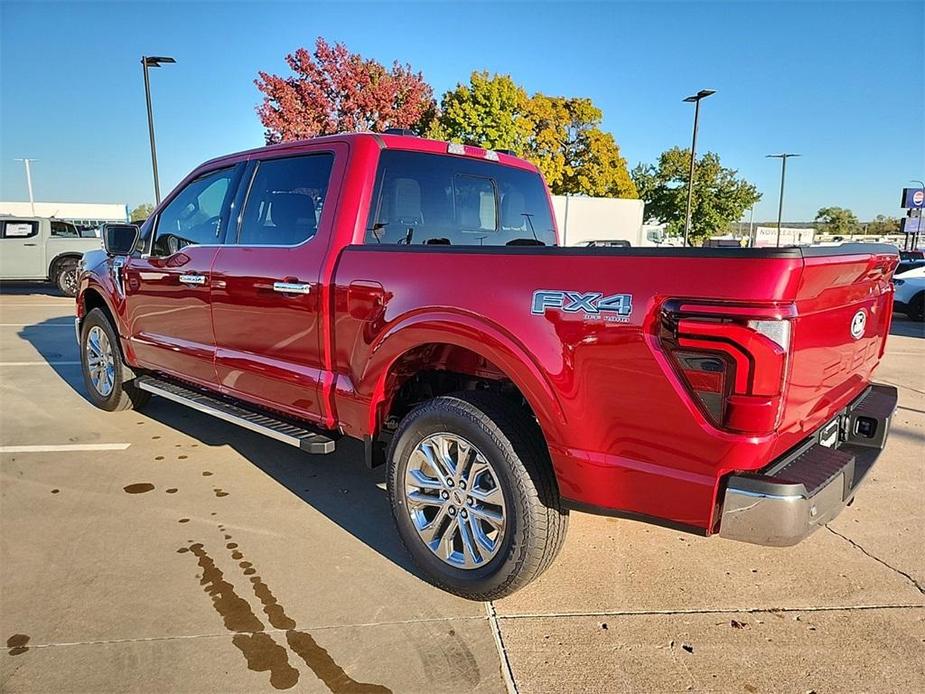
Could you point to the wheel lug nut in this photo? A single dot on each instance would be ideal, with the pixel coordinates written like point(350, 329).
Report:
point(452, 511)
point(449, 483)
point(463, 513)
point(445, 494)
point(462, 485)
point(469, 501)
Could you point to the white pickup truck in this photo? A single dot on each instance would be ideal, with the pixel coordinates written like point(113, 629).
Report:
point(43, 249)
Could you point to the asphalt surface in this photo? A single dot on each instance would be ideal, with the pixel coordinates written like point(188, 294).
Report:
point(165, 551)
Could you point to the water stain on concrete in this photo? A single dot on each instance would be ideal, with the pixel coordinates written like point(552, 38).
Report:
point(206, 474)
point(158, 457)
point(55, 491)
point(138, 488)
point(17, 644)
point(260, 650)
point(172, 490)
point(220, 492)
point(302, 644)
point(183, 520)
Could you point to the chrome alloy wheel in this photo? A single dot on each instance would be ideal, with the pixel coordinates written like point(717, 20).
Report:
point(455, 501)
point(100, 361)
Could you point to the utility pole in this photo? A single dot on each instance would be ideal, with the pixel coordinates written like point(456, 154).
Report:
point(783, 173)
point(149, 62)
point(694, 99)
point(27, 163)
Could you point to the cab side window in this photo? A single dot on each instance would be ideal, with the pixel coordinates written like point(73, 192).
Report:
point(194, 216)
point(286, 200)
point(65, 230)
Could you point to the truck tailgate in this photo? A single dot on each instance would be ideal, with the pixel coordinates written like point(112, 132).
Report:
point(844, 306)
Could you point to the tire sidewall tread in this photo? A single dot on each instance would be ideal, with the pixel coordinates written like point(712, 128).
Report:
point(535, 520)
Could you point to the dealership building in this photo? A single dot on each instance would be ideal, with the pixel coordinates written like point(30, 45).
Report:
point(83, 214)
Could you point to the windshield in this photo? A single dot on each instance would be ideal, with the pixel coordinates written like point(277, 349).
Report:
point(451, 200)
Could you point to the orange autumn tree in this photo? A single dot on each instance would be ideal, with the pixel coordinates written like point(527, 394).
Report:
point(333, 90)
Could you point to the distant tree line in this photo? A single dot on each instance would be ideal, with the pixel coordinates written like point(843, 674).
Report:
point(331, 90)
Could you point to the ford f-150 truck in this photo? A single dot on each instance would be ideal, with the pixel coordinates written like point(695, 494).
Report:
point(410, 293)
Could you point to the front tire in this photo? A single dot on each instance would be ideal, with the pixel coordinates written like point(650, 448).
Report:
point(103, 371)
point(473, 495)
point(66, 276)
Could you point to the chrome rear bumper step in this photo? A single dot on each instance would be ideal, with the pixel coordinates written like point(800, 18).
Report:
point(308, 440)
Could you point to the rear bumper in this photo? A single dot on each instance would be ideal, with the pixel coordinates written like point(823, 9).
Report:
point(810, 485)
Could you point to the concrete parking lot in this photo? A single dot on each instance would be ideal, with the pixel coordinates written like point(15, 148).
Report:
point(165, 551)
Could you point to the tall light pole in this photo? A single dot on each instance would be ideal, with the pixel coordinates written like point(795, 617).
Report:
point(695, 99)
point(27, 163)
point(783, 172)
point(149, 62)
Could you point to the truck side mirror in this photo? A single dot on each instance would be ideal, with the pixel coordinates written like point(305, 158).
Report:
point(119, 239)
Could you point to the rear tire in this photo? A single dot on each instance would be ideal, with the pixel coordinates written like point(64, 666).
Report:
point(916, 308)
point(65, 276)
point(103, 370)
point(515, 534)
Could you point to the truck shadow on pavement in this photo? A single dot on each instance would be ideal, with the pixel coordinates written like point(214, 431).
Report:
point(904, 327)
point(338, 485)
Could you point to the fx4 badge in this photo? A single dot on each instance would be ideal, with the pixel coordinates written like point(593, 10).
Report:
point(615, 308)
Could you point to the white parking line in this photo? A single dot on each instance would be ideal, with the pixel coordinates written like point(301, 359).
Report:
point(37, 325)
point(39, 363)
point(66, 448)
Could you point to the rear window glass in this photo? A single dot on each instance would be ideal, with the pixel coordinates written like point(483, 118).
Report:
point(451, 200)
point(19, 230)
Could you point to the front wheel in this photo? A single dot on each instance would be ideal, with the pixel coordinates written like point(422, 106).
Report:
point(474, 496)
point(103, 371)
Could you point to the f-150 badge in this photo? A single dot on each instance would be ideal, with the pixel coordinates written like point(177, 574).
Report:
point(615, 308)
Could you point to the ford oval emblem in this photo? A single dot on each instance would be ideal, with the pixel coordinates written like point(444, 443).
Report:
point(858, 323)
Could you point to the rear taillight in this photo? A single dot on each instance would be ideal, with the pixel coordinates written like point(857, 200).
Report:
point(732, 360)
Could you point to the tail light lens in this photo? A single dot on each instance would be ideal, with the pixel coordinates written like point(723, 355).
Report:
point(732, 360)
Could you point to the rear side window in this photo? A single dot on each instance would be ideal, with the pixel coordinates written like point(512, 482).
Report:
point(449, 200)
point(14, 229)
point(285, 201)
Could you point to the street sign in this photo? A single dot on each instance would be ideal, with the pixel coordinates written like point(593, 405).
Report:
point(912, 225)
point(913, 197)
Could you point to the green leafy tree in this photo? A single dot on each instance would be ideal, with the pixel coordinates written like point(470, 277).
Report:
point(143, 211)
point(837, 221)
point(562, 136)
point(489, 112)
point(574, 154)
point(720, 197)
point(883, 225)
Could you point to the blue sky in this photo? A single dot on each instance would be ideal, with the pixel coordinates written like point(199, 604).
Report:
point(839, 82)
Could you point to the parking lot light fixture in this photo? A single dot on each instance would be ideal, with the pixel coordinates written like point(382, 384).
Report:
point(783, 172)
point(149, 62)
point(693, 99)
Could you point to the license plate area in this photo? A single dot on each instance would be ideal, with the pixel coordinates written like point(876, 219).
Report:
point(829, 434)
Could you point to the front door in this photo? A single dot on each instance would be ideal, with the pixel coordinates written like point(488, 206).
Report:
point(167, 293)
point(266, 297)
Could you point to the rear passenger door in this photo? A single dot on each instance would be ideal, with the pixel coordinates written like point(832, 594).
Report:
point(267, 299)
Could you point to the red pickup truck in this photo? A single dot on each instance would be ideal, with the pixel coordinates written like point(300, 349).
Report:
point(410, 293)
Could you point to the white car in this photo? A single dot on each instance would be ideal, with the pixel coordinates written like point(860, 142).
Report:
point(910, 293)
point(39, 248)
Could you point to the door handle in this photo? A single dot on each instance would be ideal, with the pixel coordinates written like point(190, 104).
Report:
point(196, 280)
point(30, 244)
point(292, 287)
